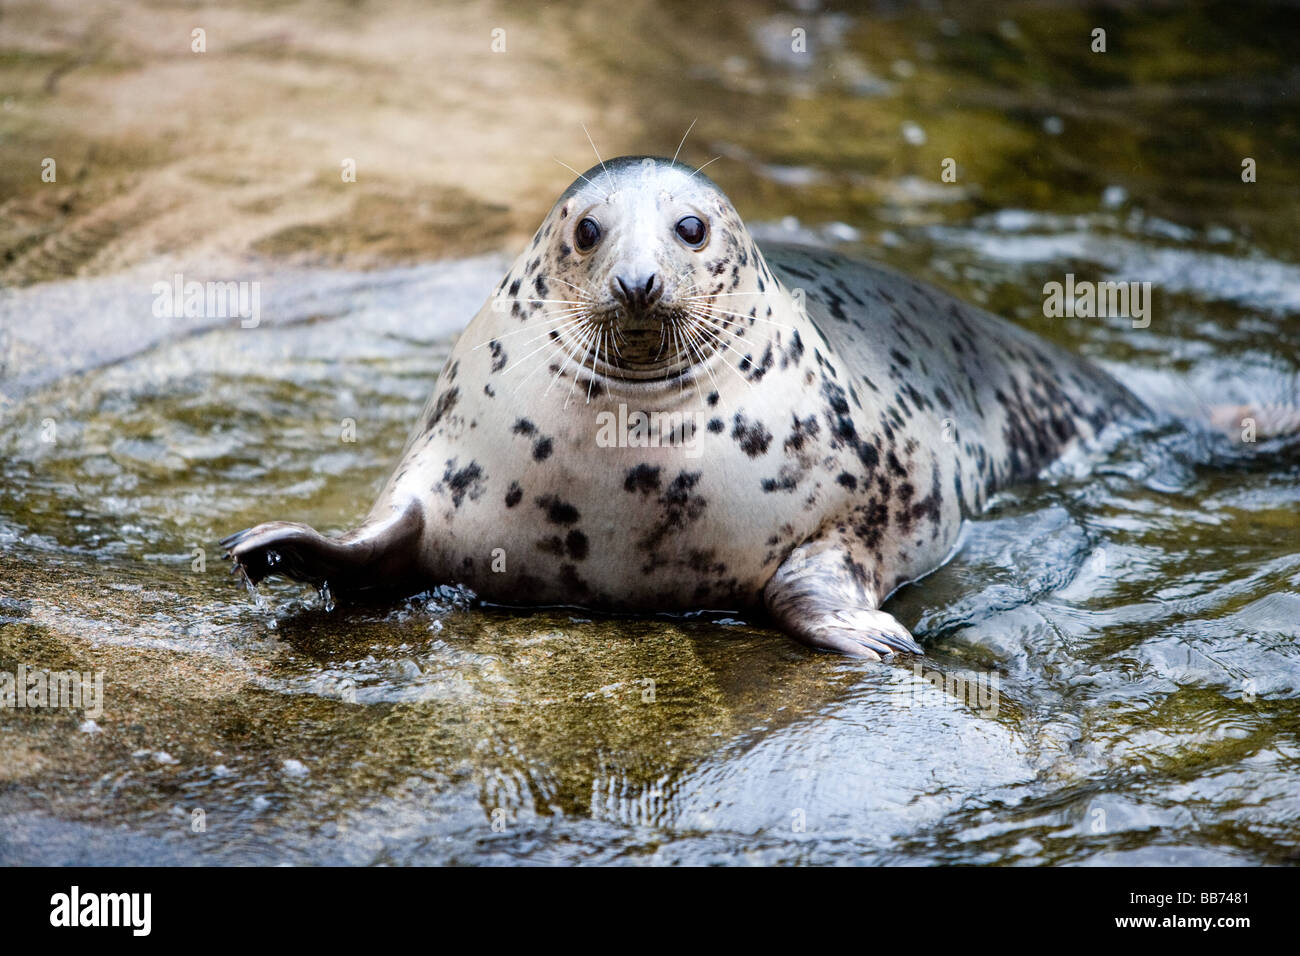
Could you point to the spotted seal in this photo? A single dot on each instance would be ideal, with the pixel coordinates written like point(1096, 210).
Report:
point(652, 412)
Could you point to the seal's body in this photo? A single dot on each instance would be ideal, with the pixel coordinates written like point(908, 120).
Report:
point(653, 413)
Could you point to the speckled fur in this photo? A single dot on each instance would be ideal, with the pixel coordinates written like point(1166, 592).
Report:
point(842, 446)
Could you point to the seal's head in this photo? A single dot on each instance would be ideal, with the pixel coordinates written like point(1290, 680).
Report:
point(631, 266)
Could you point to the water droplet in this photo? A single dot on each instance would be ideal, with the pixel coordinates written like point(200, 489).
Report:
point(251, 588)
point(326, 598)
point(272, 558)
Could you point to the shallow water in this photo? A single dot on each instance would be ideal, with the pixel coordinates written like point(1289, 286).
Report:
point(1139, 608)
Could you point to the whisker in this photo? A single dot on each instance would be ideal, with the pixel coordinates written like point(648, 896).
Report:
point(567, 315)
point(597, 152)
point(713, 160)
point(547, 335)
point(684, 135)
point(579, 175)
point(700, 350)
point(523, 380)
point(684, 345)
point(719, 295)
point(697, 361)
point(582, 351)
point(577, 288)
point(592, 381)
point(564, 326)
point(721, 326)
point(554, 378)
point(677, 349)
point(714, 310)
point(559, 372)
point(722, 358)
point(663, 333)
point(524, 359)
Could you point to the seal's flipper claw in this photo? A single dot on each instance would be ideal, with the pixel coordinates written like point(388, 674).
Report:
point(861, 632)
point(281, 547)
point(230, 541)
point(375, 556)
point(822, 596)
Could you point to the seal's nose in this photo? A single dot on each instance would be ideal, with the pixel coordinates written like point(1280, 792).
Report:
point(636, 292)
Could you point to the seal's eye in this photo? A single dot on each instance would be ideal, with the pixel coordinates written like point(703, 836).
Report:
point(587, 234)
point(691, 230)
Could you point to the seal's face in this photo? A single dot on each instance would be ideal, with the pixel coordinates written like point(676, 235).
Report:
point(637, 252)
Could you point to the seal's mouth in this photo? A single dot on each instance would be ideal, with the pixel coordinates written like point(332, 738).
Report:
point(662, 342)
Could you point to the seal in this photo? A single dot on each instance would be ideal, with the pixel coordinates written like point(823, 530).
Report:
point(653, 413)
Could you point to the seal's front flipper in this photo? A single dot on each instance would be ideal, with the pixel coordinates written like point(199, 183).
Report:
point(823, 596)
point(377, 556)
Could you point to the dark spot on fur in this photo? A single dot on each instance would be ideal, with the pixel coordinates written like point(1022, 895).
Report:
point(788, 480)
point(463, 481)
point(557, 511)
point(752, 437)
point(571, 581)
point(801, 432)
point(575, 543)
point(643, 478)
point(680, 506)
point(445, 403)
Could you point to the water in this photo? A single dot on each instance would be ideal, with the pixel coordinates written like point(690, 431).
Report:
point(1138, 609)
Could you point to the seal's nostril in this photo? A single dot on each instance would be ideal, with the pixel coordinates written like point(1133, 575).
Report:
point(653, 290)
point(637, 293)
